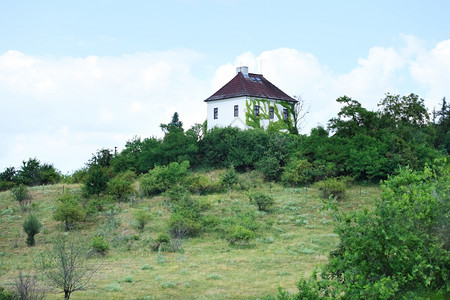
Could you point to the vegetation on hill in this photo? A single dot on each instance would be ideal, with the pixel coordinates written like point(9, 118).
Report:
point(235, 195)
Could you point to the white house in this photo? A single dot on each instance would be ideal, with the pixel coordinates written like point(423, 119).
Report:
point(250, 101)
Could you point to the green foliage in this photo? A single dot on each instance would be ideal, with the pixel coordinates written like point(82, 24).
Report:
point(96, 182)
point(185, 220)
point(99, 244)
point(142, 217)
point(239, 234)
point(121, 186)
point(229, 178)
point(31, 226)
point(161, 179)
point(20, 194)
point(399, 248)
point(7, 295)
point(33, 172)
point(333, 187)
point(201, 184)
point(263, 201)
point(297, 172)
point(69, 210)
point(270, 167)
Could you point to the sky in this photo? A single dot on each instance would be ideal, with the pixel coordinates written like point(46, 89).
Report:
point(79, 76)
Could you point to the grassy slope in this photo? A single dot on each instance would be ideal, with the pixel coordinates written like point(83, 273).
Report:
point(293, 239)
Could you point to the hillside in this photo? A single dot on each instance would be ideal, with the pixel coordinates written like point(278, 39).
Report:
point(293, 238)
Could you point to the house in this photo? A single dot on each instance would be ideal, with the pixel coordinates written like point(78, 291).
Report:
point(250, 101)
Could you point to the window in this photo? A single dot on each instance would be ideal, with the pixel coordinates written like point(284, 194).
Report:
point(271, 114)
point(236, 110)
point(257, 110)
point(216, 113)
point(285, 114)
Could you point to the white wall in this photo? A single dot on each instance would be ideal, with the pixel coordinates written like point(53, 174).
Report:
point(226, 113)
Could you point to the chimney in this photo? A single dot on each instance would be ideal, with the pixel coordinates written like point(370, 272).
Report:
point(243, 70)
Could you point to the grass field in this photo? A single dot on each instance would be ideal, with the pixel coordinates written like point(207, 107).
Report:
point(291, 240)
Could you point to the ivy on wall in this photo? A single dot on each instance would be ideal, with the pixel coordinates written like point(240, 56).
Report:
point(264, 106)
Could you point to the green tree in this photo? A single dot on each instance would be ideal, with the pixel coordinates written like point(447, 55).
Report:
point(96, 182)
point(69, 210)
point(31, 226)
point(69, 265)
point(21, 195)
point(400, 248)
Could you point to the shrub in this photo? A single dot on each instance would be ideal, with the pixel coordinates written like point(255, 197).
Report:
point(27, 288)
point(229, 178)
point(161, 179)
point(31, 226)
point(96, 182)
point(142, 218)
point(121, 186)
point(263, 201)
point(69, 210)
point(183, 226)
point(201, 184)
point(99, 244)
point(333, 187)
point(239, 234)
point(270, 167)
point(7, 295)
point(297, 172)
point(20, 194)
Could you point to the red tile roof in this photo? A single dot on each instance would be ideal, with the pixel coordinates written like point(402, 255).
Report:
point(253, 85)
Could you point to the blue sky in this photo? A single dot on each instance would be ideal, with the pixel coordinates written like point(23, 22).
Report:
point(77, 76)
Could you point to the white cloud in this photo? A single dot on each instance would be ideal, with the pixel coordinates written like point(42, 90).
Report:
point(62, 109)
point(109, 98)
point(432, 71)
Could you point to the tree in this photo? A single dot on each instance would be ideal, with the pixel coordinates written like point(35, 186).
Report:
point(29, 173)
point(68, 265)
point(174, 125)
point(102, 158)
point(96, 182)
point(31, 226)
point(69, 210)
point(400, 248)
point(299, 113)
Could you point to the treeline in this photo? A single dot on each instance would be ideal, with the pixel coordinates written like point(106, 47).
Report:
point(358, 143)
point(364, 145)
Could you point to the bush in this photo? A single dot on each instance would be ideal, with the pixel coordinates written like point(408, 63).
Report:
point(229, 178)
point(297, 172)
point(69, 210)
point(142, 218)
point(161, 179)
point(182, 226)
point(31, 226)
point(270, 167)
point(99, 244)
point(7, 295)
point(96, 182)
point(239, 234)
point(333, 187)
point(20, 194)
point(263, 201)
point(396, 250)
point(27, 288)
point(121, 186)
point(201, 184)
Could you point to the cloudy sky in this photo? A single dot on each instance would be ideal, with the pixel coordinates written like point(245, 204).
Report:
point(77, 76)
